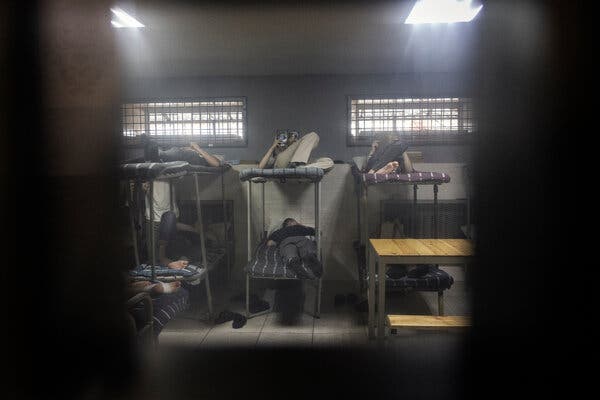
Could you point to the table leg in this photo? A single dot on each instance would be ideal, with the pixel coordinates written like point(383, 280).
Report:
point(381, 301)
point(371, 293)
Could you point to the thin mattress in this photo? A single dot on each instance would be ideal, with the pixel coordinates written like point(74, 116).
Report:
point(166, 170)
point(313, 174)
point(415, 177)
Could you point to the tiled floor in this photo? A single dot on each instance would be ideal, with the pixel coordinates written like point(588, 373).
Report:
point(338, 325)
point(267, 358)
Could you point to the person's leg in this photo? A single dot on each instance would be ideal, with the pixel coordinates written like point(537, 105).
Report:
point(392, 152)
point(283, 159)
point(289, 252)
point(388, 168)
point(298, 152)
point(306, 145)
point(307, 249)
point(182, 154)
point(325, 163)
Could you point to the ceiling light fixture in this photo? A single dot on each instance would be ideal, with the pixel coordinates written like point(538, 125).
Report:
point(442, 11)
point(124, 20)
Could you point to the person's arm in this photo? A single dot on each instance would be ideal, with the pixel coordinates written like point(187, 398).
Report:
point(267, 155)
point(273, 239)
point(210, 159)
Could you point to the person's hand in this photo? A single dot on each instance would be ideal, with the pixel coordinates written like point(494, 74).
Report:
point(271, 243)
point(179, 264)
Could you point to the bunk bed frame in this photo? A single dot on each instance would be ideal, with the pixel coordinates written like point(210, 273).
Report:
point(262, 176)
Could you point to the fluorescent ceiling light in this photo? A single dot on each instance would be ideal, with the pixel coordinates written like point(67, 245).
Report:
point(124, 20)
point(442, 11)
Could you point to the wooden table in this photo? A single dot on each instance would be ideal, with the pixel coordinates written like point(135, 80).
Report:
point(407, 251)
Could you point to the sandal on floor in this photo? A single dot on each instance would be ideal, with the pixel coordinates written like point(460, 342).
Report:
point(224, 316)
point(238, 321)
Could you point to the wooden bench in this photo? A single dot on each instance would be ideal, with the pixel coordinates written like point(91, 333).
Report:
point(427, 321)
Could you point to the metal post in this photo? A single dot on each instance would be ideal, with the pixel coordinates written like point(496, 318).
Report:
point(225, 230)
point(152, 238)
point(381, 268)
point(414, 213)
point(435, 211)
point(203, 244)
point(132, 223)
point(366, 215)
point(247, 294)
point(262, 232)
point(468, 193)
point(441, 303)
point(358, 191)
point(249, 218)
point(171, 196)
point(371, 292)
point(318, 237)
point(317, 217)
point(200, 222)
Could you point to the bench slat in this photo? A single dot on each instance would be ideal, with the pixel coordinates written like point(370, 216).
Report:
point(427, 321)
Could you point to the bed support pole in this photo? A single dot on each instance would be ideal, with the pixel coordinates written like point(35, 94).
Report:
point(435, 211)
point(152, 238)
point(318, 233)
point(203, 245)
point(130, 202)
point(263, 234)
point(225, 231)
point(414, 216)
point(248, 236)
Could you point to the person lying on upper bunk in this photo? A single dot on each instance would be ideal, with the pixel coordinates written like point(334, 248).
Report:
point(295, 248)
point(388, 155)
point(193, 154)
point(289, 150)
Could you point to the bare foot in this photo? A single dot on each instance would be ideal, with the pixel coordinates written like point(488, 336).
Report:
point(164, 287)
point(195, 146)
point(179, 264)
point(389, 168)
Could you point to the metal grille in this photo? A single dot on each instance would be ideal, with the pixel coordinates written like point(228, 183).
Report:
point(452, 215)
point(215, 122)
point(415, 119)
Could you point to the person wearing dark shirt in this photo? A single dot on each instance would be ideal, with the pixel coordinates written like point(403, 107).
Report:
point(295, 248)
point(388, 155)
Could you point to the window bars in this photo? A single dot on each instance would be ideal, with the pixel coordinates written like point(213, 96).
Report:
point(415, 119)
point(216, 121)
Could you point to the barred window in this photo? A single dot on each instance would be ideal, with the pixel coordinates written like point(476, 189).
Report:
point(216, 122)
point(416, 119)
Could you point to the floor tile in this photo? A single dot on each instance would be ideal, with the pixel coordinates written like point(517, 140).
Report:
point(284, 339)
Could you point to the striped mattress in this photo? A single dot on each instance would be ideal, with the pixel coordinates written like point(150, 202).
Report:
point(268, 263)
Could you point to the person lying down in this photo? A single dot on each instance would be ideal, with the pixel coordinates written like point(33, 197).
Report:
point(295, 247)
point(388, 156)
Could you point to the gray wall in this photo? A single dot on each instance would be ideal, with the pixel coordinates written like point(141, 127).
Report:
point(308, 103)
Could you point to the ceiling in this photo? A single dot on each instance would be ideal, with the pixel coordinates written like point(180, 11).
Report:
point(185, 40)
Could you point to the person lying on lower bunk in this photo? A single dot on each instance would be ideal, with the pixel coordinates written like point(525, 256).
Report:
point(168, 299)
point(388, 155)
point(295, 248)
point(290, 150)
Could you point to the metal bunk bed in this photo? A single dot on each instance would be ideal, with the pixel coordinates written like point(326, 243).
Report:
point(264, 254)
point(435, 279)
point(150, 172)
